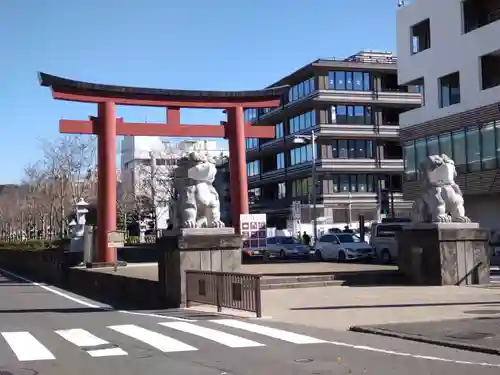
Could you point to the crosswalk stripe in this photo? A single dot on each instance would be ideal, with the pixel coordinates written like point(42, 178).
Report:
point(26, 347)
point(93, 345)
point(268, 331)
point(223, 338)
point(161, 342)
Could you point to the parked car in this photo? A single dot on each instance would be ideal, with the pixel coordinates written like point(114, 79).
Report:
point(383, 240)
point(287, 247)
point(342, 247)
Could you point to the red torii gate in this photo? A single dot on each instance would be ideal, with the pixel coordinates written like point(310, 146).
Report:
point(107, 127)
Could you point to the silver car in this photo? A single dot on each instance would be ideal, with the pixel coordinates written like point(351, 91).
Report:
point(286, 247)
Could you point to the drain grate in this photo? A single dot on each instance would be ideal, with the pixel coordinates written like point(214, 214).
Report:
point(470, 335)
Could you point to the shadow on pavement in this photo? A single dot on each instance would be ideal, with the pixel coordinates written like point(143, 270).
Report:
point(491, 303)
point(61, 310)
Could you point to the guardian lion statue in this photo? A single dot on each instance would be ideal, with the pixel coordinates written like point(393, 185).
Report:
point(442, 200)
point(197, 202)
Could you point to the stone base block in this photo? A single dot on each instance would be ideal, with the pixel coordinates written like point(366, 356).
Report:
point(444, 253)
point(206, 249)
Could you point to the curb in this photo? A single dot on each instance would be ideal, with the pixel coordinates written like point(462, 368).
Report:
point(446, 343)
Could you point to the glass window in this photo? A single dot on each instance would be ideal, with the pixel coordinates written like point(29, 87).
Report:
point(358, 81)
point(354, 183)
point(348, 81)
point(280, 160)
point(371, 183)
point(344, 183)
point(359, 115)
point(281, 190)
point(473, 149)
point(302, 121)
point(340, 80)
point(341, 114)
point(279, 130)
point(445, 144)
point(409, 160)
point(351, 145)
point(343, 152)
point(369, 149)
point(420, 153)
point(497, 138)
point(362, 183)
point(368, 115)
point(459, 155)
point(449, 90)
point(361, 151)
point(488, 154)
point(367, 81)
point(432, 146)
point(335, 149)
point(331, 80)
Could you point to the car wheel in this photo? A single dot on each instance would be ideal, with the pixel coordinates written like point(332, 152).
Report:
point(318, 255)
point(341, 257)
point(386, 256)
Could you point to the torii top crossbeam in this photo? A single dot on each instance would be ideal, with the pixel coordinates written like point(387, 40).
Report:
point(107, 127)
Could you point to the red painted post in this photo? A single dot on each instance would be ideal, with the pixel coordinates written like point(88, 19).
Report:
point(237, 164)
point(106, 185)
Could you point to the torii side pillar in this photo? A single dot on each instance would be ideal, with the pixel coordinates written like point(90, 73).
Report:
point(107, 127)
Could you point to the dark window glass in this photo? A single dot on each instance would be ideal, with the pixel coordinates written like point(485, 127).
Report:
point(449, 90)
point(409, 160)
point(344, 183)
point(459, 151)
point(362, 183)
point(343, 151)
point(348, 79)
point(367, 81)
point(488, 154)
point(473, 149)
point(340, 80)
point(445, 144)
point(341, 111)
point(420, 152)
point(359, 115)
point(358, 81)
point(432, 146)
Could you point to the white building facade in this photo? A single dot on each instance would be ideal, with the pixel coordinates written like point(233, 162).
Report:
point(451, 49)
point(147, 165)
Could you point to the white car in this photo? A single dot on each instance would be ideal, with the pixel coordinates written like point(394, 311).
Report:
point(342, 247)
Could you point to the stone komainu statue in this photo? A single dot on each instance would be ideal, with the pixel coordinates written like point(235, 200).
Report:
point(442, 199)
point(196, 200)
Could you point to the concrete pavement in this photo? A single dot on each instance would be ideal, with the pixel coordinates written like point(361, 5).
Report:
point(45, 330)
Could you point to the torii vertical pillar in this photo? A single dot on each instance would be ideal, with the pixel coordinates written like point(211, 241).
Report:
point(237, 164)
point(106, 187)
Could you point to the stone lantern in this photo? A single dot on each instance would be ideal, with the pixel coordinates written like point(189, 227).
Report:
point(78, 227)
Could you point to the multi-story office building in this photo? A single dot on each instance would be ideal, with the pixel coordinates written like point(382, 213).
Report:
point(451, 49)
point(353, 106)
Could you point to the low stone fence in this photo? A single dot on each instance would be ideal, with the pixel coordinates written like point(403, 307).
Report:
point(45, 265)
point(52, 266)
point(116, 290)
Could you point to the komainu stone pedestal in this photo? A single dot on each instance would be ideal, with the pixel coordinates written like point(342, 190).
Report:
point(208, 249)
point(444, 253)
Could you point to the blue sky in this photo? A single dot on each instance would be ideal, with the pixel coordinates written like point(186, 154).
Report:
point(189, 44)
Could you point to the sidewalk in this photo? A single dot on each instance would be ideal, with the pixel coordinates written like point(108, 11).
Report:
point(340, 307)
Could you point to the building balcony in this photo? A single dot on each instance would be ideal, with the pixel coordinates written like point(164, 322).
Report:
point(388, 98)
point(392, 98)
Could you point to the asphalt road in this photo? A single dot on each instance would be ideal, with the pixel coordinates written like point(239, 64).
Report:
point(47, 331)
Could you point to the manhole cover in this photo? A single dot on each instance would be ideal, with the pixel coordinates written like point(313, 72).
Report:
point(470, 335)
point(485, 312)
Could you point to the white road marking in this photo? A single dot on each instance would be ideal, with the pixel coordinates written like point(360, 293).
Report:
point(223, 338)
point(416, 356)
point(85, 303)
point(26, 347)
point(156, 340)
point(83, 338)
point(268, 331)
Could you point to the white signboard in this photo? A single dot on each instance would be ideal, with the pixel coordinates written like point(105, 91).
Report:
point(253, 230)
point(296, 210)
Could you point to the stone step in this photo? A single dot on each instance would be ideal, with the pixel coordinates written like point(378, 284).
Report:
point(271, 280)
point(302, 284)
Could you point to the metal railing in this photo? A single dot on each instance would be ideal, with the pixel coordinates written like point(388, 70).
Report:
point(238, 291)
